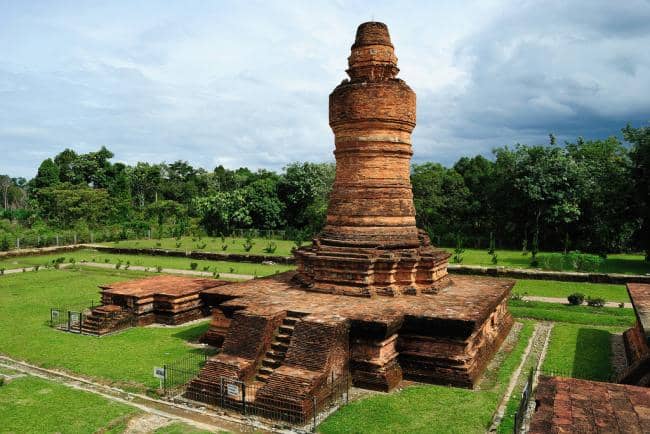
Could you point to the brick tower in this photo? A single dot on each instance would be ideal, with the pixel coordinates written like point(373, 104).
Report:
point(370, 244)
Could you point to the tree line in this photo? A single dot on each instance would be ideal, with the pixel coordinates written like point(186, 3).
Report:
point(587, 195)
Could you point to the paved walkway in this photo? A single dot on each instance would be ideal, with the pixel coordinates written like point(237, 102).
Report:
point(142, 268)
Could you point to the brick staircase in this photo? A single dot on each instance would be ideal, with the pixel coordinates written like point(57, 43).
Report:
point(106, 319)
point(279, 346)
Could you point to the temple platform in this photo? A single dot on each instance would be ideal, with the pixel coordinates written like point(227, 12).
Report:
point(291, 342)
point(637, 339)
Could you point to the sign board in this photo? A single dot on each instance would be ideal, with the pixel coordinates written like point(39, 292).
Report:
point(159, 372)
point(233, 390)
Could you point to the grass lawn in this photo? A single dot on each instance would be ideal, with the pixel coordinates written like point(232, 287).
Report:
point(580, 351)
point(615, 263)
point(552, 288)
point(430, 408)
point(180, 428)
point(34, 405)
point(147, 261)
point(605, 316)
point(210, 244)
point(125, 359)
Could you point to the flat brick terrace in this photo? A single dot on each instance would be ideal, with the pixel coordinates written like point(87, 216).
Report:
point(569, 405)
point(162, 299)
point(292, 342)
point(637, 339)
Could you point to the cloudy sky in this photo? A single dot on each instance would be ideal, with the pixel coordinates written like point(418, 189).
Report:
point(245, 83)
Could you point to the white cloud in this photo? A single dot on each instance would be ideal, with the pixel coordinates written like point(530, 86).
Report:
point(246, 83)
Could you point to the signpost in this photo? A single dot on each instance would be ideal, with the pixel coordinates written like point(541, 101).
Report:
point(159, 373)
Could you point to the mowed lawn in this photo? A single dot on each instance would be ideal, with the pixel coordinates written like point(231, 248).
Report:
point(551, 288)
point(605, 316)
point(91, 255)
point(432, 409)
point(211, 244)
point(34, 405)
point(614, 263)
point(125, 359)
point(580, 351)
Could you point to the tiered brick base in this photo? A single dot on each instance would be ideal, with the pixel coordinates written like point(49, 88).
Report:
point(637, 339)
point(445, 338)
point(170, 300)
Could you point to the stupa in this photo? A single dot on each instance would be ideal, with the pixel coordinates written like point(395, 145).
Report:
point(370, 244)
point(371, 299)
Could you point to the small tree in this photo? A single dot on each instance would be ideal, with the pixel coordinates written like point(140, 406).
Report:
point(459, 250)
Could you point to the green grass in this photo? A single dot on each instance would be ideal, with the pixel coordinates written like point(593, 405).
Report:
point(180, 428)
point(214, 244)
point(605, 316)
point(147, 261)
point(436, 409)
point(125, 359)
point(615, 263)
point(552, 288)
point(580, 352)
point(34, 405)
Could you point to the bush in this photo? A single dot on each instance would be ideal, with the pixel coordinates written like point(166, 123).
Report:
point(2, 381)
point(193, 265)
point(118, 265)
point(621, 305)
point(224, 247)
point(271, 247)
point(576, 299)
point(573, 261)
point(4, 244)
point(178, 245)
point(159, 269)
point(595, 302)
point(248, 245)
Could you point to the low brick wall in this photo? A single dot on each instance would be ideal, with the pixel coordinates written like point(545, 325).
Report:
point(565, 276)
point(212, 256)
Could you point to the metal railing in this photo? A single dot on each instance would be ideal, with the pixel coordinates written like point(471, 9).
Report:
point(303, 412)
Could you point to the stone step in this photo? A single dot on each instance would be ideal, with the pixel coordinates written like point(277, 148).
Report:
point(265, 371)
point(271, 363)
point(262, 377)
point(286, 329)
point(279, 347)
point(283, 337)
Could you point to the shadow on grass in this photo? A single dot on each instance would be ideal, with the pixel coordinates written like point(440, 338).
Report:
point(624, 265)
point(592, 355)
point(192, 334)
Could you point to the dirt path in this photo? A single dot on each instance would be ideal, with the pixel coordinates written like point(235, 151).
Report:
point(200, 418)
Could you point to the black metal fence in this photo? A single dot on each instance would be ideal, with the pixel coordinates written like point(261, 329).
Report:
point(69, 318)
point(180, 372)
point(249, 399)
point(520, 416)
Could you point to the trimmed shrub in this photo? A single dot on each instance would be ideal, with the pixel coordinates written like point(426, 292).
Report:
point(576, 299)
point(595, 302)
point(193, 265)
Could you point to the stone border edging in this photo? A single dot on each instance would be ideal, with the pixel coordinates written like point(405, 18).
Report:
point(566, 276)
point(193, 254)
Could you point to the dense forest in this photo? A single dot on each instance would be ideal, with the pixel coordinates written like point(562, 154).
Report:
point(587, 195)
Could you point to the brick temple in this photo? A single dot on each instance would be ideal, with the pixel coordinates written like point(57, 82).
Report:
point(371, 297)
point(170, 300)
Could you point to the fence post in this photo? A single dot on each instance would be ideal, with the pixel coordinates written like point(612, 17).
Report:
point(75, 238)
point(69, 320)
point(243, 397)
point(165, 379)
point(17, 243)
point(57, 240)
point(314, 408)
point(221, 391)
